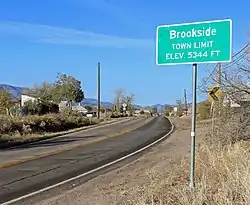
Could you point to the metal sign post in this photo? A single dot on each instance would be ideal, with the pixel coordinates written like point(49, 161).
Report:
point(193, 128)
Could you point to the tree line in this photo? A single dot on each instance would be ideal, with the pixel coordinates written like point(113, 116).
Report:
point(64, 88)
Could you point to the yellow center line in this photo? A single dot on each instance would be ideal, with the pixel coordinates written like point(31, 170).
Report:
point(29, 158)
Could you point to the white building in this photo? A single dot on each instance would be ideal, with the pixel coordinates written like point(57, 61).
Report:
point(80, 109)
point(243, 97)
point(25, 98)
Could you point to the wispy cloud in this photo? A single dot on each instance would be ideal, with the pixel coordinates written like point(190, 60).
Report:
point(111, 7)
point(67, 36)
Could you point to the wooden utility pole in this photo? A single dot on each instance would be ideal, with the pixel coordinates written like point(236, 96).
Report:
point(219, 85)
point(99, 90)
point(219, 75)
point(215, 106)
point(185, 98)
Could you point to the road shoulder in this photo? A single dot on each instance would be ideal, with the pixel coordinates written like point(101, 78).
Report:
point(122, 185)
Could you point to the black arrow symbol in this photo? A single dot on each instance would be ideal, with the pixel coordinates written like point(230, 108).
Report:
point(215, 89)
point(212, 94)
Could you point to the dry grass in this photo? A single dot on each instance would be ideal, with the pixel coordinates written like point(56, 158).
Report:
point(18, 130)
point(222, 173)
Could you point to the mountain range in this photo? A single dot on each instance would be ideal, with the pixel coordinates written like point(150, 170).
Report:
point(16, 91)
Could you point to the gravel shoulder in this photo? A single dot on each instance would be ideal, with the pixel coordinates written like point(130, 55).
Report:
point(121, 186)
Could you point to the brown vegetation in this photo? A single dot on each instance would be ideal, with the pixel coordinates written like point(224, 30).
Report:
point(12, 128)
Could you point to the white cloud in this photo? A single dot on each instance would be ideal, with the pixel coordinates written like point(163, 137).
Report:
point(67, 36)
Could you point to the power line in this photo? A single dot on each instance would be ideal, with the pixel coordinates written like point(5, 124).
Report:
point(235, 61)
point(209, 76)
point(238, 58)
point(227, 65)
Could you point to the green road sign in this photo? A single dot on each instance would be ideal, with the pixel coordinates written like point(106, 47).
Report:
point(199, 42)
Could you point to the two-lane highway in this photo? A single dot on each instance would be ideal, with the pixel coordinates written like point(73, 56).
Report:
point(43, 148)
point(23, 178)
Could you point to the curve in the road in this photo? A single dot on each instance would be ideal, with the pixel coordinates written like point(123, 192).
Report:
point(149, 135)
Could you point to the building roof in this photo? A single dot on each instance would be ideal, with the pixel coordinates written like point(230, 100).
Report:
point(79, 108)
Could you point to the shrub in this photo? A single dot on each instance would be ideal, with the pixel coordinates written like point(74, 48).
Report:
point(142, 112)
point(116, 115)
point(40, 124)
point(40, 107)
point(204, 110)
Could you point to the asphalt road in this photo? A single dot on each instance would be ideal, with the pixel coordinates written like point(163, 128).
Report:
point(33, 175)
point(45, 147)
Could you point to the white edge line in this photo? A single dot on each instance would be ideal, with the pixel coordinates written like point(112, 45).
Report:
point(89, 172)
point(191, 23)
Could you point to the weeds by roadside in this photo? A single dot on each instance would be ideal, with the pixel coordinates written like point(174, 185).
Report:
point(222, 171)
point(25, 127)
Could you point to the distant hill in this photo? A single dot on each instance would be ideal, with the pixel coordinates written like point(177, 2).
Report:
point(93, 102)
point(14, 91)
point(160, 106)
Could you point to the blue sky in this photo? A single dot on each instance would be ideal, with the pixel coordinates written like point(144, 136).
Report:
point(39, 38)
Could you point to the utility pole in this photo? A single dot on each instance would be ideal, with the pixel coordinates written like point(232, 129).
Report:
point(219, 75)
point(185, 98)
point(219, 85)
point(99, 90)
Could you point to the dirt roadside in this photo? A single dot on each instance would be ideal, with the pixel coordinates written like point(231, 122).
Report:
point(122, 186)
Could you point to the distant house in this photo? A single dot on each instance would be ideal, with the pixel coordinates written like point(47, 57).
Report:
point(243, 99)
point(76, 107)
point(80, 109)
point(147, 111)
point(25, 98)
point(62, 105)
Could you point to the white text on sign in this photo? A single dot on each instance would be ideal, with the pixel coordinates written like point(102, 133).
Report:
point(193, 33)
point(191, 54)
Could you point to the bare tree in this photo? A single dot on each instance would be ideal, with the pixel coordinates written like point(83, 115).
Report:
point(118, 98)
point(235, 77)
